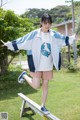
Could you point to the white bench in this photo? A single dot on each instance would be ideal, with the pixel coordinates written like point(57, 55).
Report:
point(34, 107)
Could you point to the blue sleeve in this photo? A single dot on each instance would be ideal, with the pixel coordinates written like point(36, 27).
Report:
point(24, 42)
point(62, 40)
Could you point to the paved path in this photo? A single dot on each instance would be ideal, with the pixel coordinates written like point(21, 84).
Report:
point(24, 64)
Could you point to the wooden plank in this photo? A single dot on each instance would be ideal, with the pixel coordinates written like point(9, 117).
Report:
point(37, 108)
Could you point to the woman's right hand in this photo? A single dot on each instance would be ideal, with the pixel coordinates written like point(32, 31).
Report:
point(4, 43)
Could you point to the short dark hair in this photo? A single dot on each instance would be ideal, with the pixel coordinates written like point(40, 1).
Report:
point(46, 17)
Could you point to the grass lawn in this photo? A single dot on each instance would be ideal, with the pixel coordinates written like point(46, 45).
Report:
point(63, 99)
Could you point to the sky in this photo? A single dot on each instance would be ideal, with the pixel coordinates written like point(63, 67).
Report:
point(20, 6)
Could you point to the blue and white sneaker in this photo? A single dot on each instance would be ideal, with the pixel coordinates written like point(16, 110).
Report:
point(44, 110)
point(20, 78)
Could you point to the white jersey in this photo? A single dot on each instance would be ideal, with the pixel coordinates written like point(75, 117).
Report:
point(46, 62)
point(32, 43)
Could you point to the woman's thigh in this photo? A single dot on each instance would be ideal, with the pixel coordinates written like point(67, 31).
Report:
point(47, 75)
point(36, 77)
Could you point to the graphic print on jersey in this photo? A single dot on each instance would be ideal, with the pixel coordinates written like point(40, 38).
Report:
point(46, 49)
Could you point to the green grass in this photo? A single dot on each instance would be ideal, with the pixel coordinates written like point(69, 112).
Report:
point(63, 98)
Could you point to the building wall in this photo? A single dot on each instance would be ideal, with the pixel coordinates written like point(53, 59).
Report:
point(62, 29)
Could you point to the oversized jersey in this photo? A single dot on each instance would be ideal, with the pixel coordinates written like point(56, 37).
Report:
point(46, 63)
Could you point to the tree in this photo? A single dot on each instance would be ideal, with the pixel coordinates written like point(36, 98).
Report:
point(58, 13)
point(11, 27)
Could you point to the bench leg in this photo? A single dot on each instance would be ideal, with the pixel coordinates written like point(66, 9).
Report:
point(22, 108)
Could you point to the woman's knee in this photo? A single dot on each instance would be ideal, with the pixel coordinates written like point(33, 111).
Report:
point(36, 83)
point(36, 86)
point(45, 82)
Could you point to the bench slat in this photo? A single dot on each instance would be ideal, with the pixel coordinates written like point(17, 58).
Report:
point(37, 108)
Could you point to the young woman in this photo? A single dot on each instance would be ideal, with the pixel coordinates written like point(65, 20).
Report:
point(43, 51)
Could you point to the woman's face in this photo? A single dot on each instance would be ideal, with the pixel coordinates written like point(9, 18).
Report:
point(45, 26)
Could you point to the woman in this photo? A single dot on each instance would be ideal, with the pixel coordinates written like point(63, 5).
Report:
point(43, 51)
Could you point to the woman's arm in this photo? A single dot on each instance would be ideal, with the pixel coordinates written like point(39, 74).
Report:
point(23, 43)
point(63, 40)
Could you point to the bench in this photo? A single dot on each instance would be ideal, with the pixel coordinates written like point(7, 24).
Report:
point(34, 107)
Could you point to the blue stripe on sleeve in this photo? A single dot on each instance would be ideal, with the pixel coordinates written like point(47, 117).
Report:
point(59, 36)
point(15, 45)
point(67, 41)
point(29, 36)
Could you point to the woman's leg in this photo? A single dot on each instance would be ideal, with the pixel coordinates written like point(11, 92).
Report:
point(33, 82)
point(45, 91)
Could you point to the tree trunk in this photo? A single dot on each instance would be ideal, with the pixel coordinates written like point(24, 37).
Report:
point(69, 54)
point(4, 65)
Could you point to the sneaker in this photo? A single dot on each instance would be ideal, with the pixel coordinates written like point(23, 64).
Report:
point(44, 110)
point(20, 78)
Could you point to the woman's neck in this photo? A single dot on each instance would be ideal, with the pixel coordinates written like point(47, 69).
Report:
point(44, 30)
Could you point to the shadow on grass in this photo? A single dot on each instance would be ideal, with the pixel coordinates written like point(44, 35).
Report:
point(29, 114)
point(9, 87)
